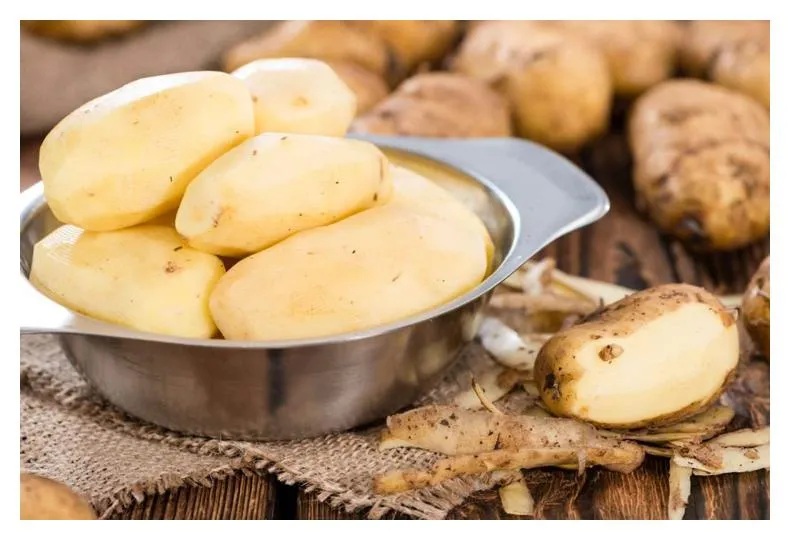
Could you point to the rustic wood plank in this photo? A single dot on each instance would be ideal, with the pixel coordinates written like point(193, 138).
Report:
point(236, 497)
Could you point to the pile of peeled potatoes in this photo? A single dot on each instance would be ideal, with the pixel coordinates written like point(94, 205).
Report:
point(206, 201)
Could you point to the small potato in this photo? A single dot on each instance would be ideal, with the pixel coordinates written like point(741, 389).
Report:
point(702, 163)
point(653, 358)
point(80, 31)
point(413, 42)
point(298, 95)
point(756, 308)
point(41, 498)
point(324, 40)
point(559, 85)
point(735, 54)
point(275, 185)
point(368, 87)
point(439, 104)
point(127, 157)
point(640, 53)
point(414, 191)
point(373, 268)
point(142, 277)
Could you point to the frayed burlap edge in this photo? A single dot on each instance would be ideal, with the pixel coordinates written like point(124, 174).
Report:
point(430, 503)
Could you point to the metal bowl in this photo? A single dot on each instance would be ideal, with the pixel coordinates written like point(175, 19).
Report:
point(526, 195)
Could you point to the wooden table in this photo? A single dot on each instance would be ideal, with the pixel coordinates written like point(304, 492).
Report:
point(621, 248)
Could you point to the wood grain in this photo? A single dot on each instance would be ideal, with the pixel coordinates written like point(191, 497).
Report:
point(622, 248)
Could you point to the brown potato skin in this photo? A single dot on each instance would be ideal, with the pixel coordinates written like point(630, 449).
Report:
point(413, 42)
point(558, 84)
point(702, 163)
point(735, 54)
point(756, 308)
point(556, 385)
point(438, 104)
point(42, 498)
point(322, 40)
point(80, 31)
point(369, 87)
point(640, 53)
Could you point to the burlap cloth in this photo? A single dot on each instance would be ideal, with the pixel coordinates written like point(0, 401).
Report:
point(69, 433)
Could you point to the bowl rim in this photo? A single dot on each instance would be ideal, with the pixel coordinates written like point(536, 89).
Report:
point(33, 201)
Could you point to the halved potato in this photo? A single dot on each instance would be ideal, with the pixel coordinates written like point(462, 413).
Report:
point(653, 358)
point(275, 185)
point(373, 268)
point(417, 192)
point(142, 277)
point(298, 95)
point(127, 157)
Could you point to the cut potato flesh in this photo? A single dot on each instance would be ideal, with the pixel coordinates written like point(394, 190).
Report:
point(415, 191)
point(142, 277)
point(275, 185)
point(373, 268)
point(298, 95)
point(654, 358)
point(127, 157)
point(686, 351)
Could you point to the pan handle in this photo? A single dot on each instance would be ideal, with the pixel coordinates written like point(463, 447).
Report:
point(548, 195)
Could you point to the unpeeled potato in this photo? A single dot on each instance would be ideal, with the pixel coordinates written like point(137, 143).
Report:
point(756, 307)
point(275, 185)
point(373, 268)
point(298, 95)
point(324, 40)
point(45, 499)
point(559, 86)
point(142, 277)
point(654, 358)
point(368, 87)
point(127, 157)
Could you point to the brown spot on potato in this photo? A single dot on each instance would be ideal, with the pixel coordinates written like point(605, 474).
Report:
point(610, 352)
point(171, 267)
point(300, 101)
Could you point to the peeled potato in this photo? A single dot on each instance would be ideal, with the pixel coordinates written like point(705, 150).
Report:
point(414, 191)
point(127, 157)
point(373, 268)
point(298, 95)
point(275, 185)
point(45, 499)
point(653, 358)
point(142, 277)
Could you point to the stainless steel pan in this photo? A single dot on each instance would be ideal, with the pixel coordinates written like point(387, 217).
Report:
point(527, 197)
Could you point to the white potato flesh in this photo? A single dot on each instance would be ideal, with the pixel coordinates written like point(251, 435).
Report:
point(418, 192)
point(373, 268)
point(654, 358)
point(687, 352)
point(142, 277)
point(127, 157)
point(298, 95)
point(275, 185)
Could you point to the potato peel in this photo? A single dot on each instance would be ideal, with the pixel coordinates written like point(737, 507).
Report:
point(495, 382)
point(484, 401)
point(744, 438)
point(679, 490)
point(508, 347)
point(516, 499)
point(618, 458)
point(709, 459)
